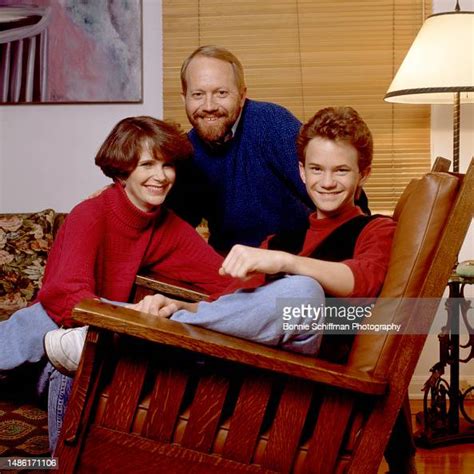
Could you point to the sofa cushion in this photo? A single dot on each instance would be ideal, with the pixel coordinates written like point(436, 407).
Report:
point(25, 240)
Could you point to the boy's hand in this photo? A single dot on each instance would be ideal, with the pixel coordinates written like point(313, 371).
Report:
point(157, 305)
point(242, 261)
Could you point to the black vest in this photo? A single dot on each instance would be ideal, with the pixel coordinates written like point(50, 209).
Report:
point(337, 246)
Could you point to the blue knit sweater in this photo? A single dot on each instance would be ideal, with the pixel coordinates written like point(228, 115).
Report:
point(248, 188)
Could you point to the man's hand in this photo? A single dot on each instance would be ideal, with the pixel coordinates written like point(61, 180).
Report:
point(98, 192)
point(158, 305)
point(242, 261)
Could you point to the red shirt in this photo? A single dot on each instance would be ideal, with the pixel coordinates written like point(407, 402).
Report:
point(106, 240)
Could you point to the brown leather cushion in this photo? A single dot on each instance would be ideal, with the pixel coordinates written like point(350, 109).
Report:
point(418, 232)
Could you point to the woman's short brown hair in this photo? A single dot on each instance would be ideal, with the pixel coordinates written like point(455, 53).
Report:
point(338, 124)
point(119, 154)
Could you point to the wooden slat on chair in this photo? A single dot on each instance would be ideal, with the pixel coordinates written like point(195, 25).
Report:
point(138, 455)
point(82, 399)
point(333, 416)
point(243, 432)
point(166, 399)
point(125, 389)
point(206, 411)
point(288, 425)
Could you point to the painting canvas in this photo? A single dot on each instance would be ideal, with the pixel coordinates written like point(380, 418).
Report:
point(83, 51)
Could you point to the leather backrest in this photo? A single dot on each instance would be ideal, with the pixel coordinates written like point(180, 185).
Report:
point(411, 186)
point(421, 216)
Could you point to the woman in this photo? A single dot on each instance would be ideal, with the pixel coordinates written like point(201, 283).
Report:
point(106, 240)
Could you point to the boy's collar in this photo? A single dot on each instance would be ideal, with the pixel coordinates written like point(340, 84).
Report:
point(346, 214)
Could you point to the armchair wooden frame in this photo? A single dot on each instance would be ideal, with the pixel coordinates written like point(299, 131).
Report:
point(154, 395)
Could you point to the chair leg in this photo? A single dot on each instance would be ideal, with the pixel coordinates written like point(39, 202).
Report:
point(400, 451)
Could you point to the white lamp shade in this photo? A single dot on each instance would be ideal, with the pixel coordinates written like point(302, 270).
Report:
point(439, 62)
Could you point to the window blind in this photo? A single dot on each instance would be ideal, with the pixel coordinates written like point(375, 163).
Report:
point(306, 54)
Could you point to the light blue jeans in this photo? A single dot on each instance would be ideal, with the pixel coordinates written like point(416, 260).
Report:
point(253, 315)
point(21, 336)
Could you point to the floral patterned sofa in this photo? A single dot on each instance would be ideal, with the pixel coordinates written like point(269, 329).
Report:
point(25, 240)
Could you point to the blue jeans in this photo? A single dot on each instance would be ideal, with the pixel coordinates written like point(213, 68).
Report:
point(58, 396)
point(255, 315)
point(21, 336)
point(252, 315)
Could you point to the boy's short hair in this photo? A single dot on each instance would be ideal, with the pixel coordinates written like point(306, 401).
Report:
point(338, 124)
point(119, 154)
point(216, 52)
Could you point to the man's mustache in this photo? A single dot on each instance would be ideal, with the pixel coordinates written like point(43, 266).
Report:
point(206, 115)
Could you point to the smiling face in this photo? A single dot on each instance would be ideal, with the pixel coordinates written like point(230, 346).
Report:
point(212, 99)
point(331, 175)
point(149, 183)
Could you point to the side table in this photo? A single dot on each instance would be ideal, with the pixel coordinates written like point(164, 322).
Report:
point(444, 402)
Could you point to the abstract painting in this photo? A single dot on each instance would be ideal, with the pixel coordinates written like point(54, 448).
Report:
point(94, 51)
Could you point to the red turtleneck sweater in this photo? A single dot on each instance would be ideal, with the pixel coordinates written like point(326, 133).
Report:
point(106, 240)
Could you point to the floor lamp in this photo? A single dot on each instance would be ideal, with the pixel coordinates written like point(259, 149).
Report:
point(439, 67)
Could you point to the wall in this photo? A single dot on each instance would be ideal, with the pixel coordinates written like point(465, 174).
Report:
point(47, 151)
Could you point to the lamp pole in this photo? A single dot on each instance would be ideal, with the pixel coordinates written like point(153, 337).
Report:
point(456, 130)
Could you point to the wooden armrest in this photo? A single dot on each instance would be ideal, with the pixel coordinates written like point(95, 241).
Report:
point(196, 339)
point(170, 288)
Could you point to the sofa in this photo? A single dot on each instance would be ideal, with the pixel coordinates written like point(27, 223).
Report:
point(25, 241)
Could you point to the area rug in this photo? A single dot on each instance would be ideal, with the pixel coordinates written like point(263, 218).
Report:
point(23, 423)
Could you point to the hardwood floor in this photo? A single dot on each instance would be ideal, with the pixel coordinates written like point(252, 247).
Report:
point(455, 459)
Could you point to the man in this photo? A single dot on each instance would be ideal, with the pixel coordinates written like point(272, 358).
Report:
point(243, 178)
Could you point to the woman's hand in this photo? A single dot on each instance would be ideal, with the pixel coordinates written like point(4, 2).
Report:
point(162, 306)
point(157, 304)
